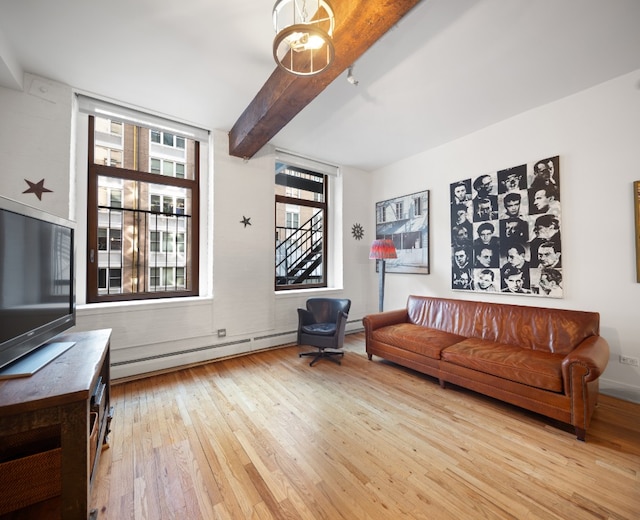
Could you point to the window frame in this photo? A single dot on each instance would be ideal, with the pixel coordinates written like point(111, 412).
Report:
point(94, 171)
point(288, 200)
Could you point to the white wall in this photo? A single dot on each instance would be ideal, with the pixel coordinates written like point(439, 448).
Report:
point(36, 142)
point(596, 133)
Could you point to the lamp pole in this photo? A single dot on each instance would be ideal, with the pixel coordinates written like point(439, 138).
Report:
point(381, 285)
point(381, 250)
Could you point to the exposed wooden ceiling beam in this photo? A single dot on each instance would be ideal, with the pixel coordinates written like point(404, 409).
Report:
point(359, 24)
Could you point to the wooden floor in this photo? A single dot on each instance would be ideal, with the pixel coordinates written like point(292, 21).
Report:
point(265, 436)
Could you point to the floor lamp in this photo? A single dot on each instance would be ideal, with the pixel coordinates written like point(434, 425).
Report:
point(382, 250)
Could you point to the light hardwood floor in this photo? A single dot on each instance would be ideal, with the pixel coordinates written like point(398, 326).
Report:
point(265, 436)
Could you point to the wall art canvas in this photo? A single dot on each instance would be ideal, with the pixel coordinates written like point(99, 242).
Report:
point(506, 231)
point(405, 220)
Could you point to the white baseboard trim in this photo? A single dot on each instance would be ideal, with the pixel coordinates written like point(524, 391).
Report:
point(620, 390)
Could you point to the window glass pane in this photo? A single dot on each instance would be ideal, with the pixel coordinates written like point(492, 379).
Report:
point(115, 278)
point(116, 127)
point(299, 183)
point(102, 278)
point(102, 239)
point(180, 170)
point(167, 168)
point(154, 241)
point(101, 155)
point(115, 158)
point(167, 242)
point(115, 237)
point(124, 145)
point(154, 277)
point(155, 203)
point(155, 165)
point(116, 199)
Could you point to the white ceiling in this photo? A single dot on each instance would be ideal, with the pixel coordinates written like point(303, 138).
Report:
point(449, 68)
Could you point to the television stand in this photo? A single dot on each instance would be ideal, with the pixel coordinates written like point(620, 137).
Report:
point(35, 360)
point(52, 428)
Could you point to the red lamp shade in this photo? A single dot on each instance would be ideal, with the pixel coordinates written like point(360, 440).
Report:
point(382, 250)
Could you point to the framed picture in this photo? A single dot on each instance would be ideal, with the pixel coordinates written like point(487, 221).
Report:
point(405, 220)
point(505, 231)
point(636, 202)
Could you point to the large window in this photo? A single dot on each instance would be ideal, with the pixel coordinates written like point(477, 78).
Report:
point(301, 228)
point(143, 202)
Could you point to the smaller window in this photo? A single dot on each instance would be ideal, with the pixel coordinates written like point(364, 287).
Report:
point(167, 242)
point(180, 277)
point(115, 279)
point(102, 239)
point(417, 204)
point(116, 198)
point(154, 167)
point(180, 170)
point(154, 242)
point(115, 240)
point(399, 210)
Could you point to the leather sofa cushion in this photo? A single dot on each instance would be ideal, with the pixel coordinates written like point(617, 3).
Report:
point(536, 328)
point(530, 367)
point(422, 340)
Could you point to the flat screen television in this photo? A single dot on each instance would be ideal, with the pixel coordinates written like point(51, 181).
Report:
point(37, 282)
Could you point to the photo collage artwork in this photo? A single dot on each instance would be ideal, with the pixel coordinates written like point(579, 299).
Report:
point(505, 231)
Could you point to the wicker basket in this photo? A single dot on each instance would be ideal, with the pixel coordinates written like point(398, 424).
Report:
point(93, 438)
point(30, 479)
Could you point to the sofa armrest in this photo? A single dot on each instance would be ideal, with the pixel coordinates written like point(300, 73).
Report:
point(382, 319)
point(592, 354)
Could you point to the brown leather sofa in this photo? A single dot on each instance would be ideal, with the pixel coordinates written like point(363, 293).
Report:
point(545, 360)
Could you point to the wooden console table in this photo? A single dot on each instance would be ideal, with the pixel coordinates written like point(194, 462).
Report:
point(64, 396)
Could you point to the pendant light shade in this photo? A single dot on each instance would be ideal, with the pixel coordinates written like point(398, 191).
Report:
point(304, 28)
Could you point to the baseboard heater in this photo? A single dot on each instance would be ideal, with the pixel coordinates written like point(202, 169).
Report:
point(180, 353)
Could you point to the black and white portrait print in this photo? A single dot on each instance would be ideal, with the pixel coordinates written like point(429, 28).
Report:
point(505, 231)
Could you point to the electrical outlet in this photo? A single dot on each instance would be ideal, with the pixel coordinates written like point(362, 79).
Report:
point(222, 333)
point(626, 360)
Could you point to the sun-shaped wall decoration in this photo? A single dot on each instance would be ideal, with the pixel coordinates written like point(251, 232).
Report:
point(357, 231)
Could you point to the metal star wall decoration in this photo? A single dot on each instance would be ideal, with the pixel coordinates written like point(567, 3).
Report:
point(37, 188)
point(246, 221)
point(357, 231)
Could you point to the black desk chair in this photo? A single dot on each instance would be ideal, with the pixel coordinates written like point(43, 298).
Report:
point(322, 325)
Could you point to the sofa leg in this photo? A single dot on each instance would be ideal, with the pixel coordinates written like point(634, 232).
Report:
point(443, 383)
point(370, 356)
point(581, 434)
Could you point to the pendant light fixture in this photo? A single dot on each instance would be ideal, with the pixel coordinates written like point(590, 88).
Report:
point(304, 28)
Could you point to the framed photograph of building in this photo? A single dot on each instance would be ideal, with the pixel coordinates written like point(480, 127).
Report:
point(405, 220)
point(636, 203)
point(505, 231)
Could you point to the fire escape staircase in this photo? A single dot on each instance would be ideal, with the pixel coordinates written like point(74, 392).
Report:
point(300, 255)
